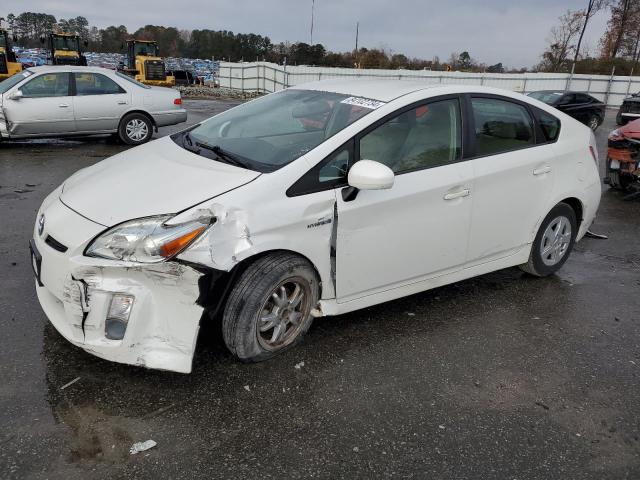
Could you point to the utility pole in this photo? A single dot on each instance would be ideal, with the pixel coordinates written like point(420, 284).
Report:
point(312, 8)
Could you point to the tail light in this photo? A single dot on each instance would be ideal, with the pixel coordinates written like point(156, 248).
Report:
point(177, 101)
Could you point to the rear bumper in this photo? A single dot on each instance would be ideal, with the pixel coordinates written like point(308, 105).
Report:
point(76, 293)
point(170, 117)
point(590, 204)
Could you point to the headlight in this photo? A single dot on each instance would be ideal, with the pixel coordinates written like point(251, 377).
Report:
point(147, 240)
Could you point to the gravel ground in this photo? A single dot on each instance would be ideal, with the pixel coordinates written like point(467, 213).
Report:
point(499, 377)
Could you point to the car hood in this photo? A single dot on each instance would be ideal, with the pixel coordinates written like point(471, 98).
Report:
point(153, 179)
point(631, 129)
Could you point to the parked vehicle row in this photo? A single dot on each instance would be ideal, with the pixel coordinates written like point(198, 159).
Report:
point(74, 101)
point(623, 157)
point(317, 200)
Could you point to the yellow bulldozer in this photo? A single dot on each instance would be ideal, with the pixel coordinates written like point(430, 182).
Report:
point(145, 65)
point(8, 63)
point(64, 49)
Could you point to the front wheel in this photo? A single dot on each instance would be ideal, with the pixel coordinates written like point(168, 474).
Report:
point(135, 129)
point(269, 308)
point(553, 243)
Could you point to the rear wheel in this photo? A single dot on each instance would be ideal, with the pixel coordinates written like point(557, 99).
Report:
point(269, 309)
point(553, 243)
point(135, 129)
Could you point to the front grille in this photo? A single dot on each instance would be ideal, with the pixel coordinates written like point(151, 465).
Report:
point(3, 63)
point(154, 70)
point(67, 61)
point(56, 245)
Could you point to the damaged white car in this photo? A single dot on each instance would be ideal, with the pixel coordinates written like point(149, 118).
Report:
point(318, 200)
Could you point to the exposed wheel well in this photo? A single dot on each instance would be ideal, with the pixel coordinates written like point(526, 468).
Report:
point(215, 285)
point(577, 208)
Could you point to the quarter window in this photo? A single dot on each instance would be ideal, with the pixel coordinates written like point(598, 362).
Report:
point(47, 85)
point(549, 124)
point(424, 137)
point(501, 126)
point(95, 84)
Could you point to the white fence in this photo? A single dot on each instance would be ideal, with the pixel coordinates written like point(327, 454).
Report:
point(269, 77)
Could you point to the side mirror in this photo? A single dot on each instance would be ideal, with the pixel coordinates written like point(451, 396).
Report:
point(370, 175)
point(17, 95)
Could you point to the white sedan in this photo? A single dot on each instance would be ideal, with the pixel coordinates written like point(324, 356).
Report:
point(57, 101)
point(317, 200)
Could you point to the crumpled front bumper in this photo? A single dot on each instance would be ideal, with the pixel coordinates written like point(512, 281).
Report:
point(77, 291)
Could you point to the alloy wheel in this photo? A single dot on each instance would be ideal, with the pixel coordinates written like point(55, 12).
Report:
point(283, 313)
point(555, 241)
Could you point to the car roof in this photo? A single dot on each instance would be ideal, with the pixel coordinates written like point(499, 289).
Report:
point(68, 68)
point(388, 90)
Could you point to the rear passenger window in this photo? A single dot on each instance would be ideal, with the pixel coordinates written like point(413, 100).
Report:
point(425, 137)
point(501, 126)
point(549, 124)
point(95, 84)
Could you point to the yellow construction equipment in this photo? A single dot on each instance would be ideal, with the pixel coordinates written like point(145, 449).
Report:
point(145, 65)
point(64, 49)
point(8, 63)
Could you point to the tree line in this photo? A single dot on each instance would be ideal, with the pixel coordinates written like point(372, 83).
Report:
point(29, 27)
point(619, 46)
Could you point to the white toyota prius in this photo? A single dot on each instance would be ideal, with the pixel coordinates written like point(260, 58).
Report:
point(317, 200)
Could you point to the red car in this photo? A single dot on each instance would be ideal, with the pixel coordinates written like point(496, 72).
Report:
point(623, 156)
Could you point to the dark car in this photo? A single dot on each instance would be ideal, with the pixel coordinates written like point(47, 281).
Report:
point(581, 106)
point(629, 110)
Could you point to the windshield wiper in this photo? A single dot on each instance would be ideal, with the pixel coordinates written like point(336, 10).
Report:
point(224, 155)
point(186, 138)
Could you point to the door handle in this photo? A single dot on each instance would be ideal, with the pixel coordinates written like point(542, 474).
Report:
point(122, 103)
point(64, 105)
point(542, 170)
point(458, 194)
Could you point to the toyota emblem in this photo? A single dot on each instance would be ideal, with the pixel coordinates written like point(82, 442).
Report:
point(41, 224)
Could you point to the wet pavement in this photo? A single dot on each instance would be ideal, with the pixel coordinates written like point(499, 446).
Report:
point(504, 376)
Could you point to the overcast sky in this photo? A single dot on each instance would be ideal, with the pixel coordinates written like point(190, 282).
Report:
point(508, 31)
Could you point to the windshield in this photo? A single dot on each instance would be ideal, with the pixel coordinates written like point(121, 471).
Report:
point(66, 43)
point(546, 97)
point(14, 80)
point(145, 49)
point(129, 79)
point(272, 131)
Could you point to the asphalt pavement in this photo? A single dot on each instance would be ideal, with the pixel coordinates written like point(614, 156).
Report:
point(504, 376)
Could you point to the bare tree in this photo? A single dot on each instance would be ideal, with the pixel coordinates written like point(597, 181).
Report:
point(560, 42)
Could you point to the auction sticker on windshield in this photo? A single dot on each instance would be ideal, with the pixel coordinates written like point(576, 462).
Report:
point(363, 102)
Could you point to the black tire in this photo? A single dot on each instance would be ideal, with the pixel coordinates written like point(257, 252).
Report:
point(251, 299)
point(616, 180)
point(536, 264)
point(135, 129)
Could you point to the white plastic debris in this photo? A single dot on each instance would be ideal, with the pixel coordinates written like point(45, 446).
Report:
point(70, 383)
point(246, 387)
point(298, 366)
point(411, 314)
point(141, 447)
point(441, 427)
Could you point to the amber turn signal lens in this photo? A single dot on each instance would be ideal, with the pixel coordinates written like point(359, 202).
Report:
point(175, 246)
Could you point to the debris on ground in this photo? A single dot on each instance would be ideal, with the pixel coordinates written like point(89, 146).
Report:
point(597, 236)
point(159, 411)
point(543, 405)
point(411, 314)
point(22, 190)
point(141, 447)
point(246, 387)
point(70, 383)
point(298, 366)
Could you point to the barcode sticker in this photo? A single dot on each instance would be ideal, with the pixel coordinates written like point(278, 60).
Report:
point(363, 102)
